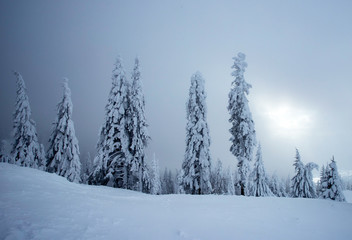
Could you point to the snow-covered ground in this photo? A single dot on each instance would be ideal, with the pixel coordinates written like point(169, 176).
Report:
point(39, 205)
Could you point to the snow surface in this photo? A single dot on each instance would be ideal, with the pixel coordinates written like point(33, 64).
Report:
point(40, 205)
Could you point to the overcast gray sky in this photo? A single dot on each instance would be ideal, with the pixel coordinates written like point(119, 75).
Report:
point(299, 64)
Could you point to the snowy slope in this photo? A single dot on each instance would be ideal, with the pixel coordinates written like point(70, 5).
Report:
point(39, 205)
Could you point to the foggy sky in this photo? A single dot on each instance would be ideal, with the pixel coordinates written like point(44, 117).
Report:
point(299, 64)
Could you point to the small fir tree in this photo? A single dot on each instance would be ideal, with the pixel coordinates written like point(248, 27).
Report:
point(243, 137)
point(259, 186)
point(196, 164)
point(167, 183)
point(178, 182)
point(26, 150)
point(155, 177)
point(87, 168)
point(332, 184)
point(297, 180)
point(218, 183)
point(4, 153)
point(277, 186)
point(230, 183)
point(322, 184)
point(63, 152)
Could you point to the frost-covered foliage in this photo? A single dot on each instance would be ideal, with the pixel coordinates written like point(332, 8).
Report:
point(259, 186)
point(196, 164)
point(63, 152)
point(331, 183)
point(26, 150)
point(137, 130)
point(277, 186)
point(155, 177)
point(167, 182)
point(111, 164)
point(243, 137)
point(302, 184)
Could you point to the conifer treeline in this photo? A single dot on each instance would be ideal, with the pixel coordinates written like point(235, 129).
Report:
point(120, 160)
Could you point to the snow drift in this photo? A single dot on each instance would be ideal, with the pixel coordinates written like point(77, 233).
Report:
point(40, 205)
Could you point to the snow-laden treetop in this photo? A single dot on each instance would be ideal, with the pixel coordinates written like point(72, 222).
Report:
point(22, 103)
point(67, 97)
point(240, 67)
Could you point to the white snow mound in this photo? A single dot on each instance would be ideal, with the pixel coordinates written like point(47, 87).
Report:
point(39, 205)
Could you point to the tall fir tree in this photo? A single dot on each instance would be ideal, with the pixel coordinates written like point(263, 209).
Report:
point(332, 184)
point(26, 150)
point(196, 164)
point(113, 157)
point(243, 137)
point(137, 130)
point(63, 152)
point(259, 186)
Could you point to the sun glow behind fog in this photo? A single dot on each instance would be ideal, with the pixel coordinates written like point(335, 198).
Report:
point(289, 121)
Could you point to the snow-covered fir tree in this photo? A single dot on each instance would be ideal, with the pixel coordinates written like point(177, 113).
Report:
point(87, 168)
point(63, 152)
point(302, 184)
point(230, 183)
point(196, 164)
point(155, 177)
point(218, 179)
point(167, 183)
point(137, 130)
point(308, 184)
point(323, 179)
point(146, 179)
point(243, 137)
point(178, 182)
point(4, 152)
point(298, 179)
point(287, 184)
point(331, 183)
point(277, 186)
point(111, 164)
point(259, 186)
point(26, 150)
